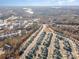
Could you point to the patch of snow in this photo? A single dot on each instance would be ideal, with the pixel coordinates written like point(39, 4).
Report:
point(29, 10)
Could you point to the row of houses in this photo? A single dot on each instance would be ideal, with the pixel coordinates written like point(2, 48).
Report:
point(2, 37)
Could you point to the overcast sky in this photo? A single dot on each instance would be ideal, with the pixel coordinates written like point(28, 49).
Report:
point(39, 2)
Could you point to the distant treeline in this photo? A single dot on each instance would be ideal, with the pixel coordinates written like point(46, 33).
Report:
point(60, 23)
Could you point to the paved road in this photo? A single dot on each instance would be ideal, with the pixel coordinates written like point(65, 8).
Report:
point(32, 44)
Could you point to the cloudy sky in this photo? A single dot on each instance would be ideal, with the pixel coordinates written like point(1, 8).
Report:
point(39, 2)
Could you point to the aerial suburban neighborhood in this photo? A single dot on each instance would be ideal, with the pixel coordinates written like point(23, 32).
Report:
point(39, 29)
